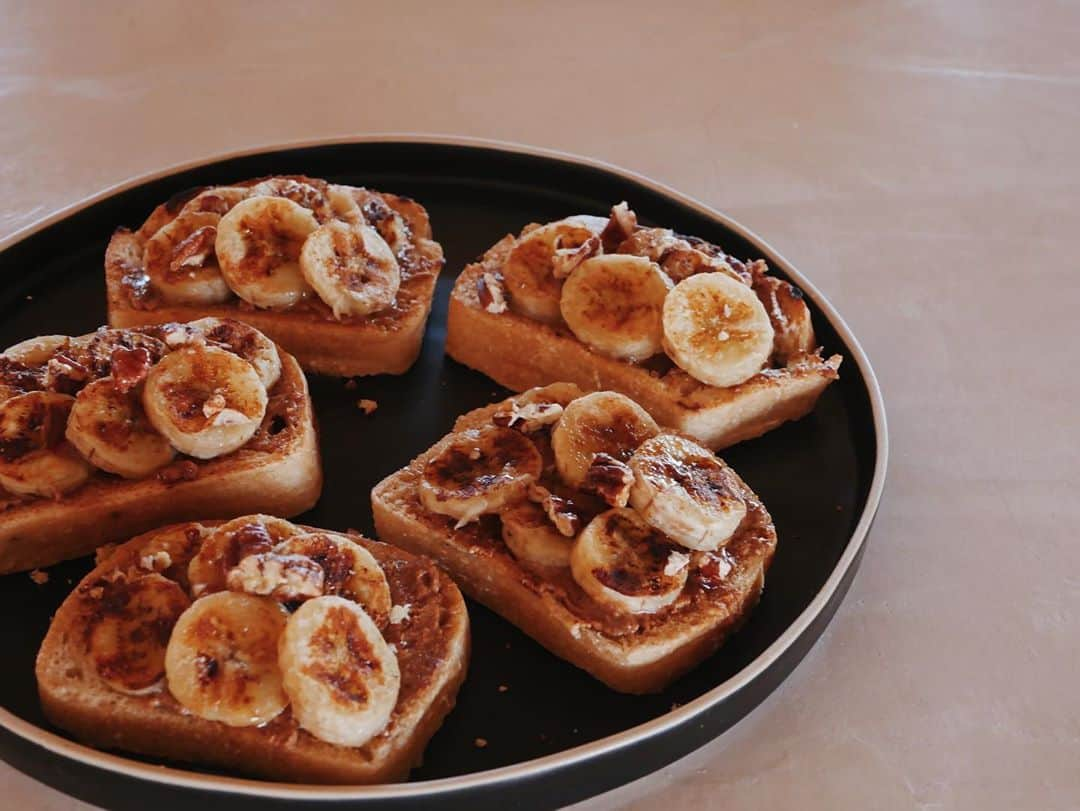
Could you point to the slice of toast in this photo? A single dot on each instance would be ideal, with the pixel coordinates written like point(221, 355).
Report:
point(520, 353)
point(385, 342)
point(277, 471)
point(632, 653)
point(432, 646)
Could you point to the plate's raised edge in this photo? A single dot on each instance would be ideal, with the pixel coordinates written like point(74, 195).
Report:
point(531, 768)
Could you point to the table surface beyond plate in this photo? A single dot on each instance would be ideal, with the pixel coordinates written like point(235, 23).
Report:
point(911, 158)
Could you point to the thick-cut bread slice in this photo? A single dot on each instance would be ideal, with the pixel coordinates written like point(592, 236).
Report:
point(278, 471)
point(386, 342)
point(521, 353)
point(630, 653)
point(432, 648)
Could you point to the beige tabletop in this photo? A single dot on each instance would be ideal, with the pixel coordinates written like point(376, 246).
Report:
point(917, 160)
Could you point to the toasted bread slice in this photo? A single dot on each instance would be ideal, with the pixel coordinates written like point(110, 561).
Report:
point(431, 641)
point(385, 342)
point(277, 471)
point(632, 653)
point(520, 353)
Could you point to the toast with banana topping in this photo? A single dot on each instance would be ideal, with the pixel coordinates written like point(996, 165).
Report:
point(711, 346)
point(629, 551)
point(261, 646)
point(112, 433)
point(341, 276)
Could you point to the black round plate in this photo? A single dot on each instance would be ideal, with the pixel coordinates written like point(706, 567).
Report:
point(556, 734)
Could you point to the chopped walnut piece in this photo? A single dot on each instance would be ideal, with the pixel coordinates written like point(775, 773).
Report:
point(182, 471)
point(129, 367)
point(214, 405)
point(621, 225)
point(367, 406)
point(157, 561)
point(492, 294)
point(283, 577)
point(561, 512)
point(610, 479)
point(64, 374)
point(193, 251)
point(229, 416)
point(39, 577)
point(528, 418)
point(676, 562)
point(565, 260)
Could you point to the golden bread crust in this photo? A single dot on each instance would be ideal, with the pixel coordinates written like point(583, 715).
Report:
point(387, 342)
point(520, 353)
point(432, 662)
point(630, 653)
point(278, 471)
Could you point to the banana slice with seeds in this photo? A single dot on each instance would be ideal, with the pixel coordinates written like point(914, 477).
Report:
point(342, 678)
point(181, 262)
point(716, 329)
point(34, 459)
point(349, 570)
point(351, 268)
point(110, 429)
point(601, 422)
point(245, 341)
point(258, 247)
point(130, 631)
point(205, 400)
point(614, 304)
point(230, 543)
point(221, 663)
point(622, 562)
point(684, 491)
point(480, 472)
point(529, 272)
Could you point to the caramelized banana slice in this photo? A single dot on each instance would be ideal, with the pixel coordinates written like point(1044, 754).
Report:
point(343, 204)
point(245, 341)
point(181, 263)
point(529, 272)
point(532, 538)
point(110, 429)
point(36, 351)
point(34, 459)
point(206, 401)
point(480, 472)
point(349, 570)
point(614, 303)
point(230, 543)
point(217, 200)
point(601, 422)
point(789, 315)
point(222, 659)
point(130, 630)
point(303, 194)
point(351, 268)
point(341, 676)
point(685, 492)
point(622, 562)
point(379, 215)
point(716, 329)
point(258, 246)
